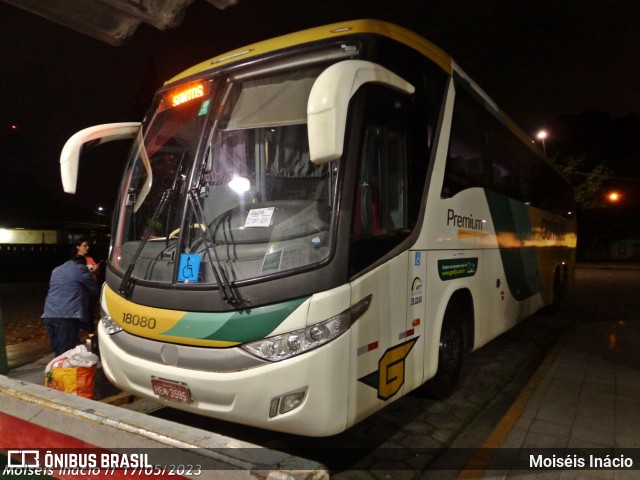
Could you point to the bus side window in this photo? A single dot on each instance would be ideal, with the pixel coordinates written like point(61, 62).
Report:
point(367, 220)
point(484, 153)
point(380, 204)
point(468, 156)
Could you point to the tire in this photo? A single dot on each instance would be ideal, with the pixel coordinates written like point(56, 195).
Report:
point(450, 354)
point(559, 290)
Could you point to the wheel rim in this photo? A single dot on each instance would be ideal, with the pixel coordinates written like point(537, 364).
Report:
point(450, 351)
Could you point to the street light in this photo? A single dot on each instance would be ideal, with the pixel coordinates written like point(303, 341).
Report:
point(614, 197)
point(541, 135)
point(100, 212)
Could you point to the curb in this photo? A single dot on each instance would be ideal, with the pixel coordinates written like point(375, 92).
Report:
point(69, 420)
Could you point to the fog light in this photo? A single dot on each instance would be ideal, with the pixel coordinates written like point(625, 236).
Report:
point(291, 401)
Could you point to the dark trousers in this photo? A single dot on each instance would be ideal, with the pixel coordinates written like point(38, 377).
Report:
point(63, 334)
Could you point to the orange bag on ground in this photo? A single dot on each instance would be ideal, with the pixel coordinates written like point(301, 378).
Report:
point(73, 372)
point(78, 380)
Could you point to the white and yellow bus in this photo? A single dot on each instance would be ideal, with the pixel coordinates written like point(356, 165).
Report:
point(310, 227)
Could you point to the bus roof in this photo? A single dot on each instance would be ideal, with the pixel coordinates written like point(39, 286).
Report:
point(378, 27)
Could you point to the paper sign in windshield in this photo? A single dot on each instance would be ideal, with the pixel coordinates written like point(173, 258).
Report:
point(259, 217)
point(271, 262)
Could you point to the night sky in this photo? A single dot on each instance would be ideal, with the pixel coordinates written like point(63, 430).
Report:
point(536, 59)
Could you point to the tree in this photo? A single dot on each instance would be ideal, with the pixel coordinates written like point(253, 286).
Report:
point(587, 186)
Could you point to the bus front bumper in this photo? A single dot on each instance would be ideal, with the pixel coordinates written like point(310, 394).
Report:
point(314, 383)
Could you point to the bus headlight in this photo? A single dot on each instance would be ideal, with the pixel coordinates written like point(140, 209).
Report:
point(107, 322)
point(287, 345)
point(294, 343)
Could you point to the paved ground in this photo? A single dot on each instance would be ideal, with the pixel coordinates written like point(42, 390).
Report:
point(21, 305)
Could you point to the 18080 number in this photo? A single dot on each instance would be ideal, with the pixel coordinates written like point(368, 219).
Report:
point(139, 321)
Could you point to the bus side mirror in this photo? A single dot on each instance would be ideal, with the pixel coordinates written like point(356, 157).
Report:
point(70, 156)
point(328, 103)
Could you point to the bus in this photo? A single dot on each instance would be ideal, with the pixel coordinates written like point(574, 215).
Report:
point(310, 227)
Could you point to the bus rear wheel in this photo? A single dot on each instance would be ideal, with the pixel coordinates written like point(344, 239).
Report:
point(559, 288)
point(450, 354)
point(558, 292)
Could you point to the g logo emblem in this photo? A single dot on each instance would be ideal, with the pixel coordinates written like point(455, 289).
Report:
point(391, 370)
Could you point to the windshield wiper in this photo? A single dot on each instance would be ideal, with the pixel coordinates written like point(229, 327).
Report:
point(218, 272)
point(126, 286)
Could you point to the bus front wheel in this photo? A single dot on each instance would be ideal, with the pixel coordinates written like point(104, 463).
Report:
point(450, 353)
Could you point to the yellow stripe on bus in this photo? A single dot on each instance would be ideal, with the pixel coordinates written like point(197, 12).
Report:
point(150, 322)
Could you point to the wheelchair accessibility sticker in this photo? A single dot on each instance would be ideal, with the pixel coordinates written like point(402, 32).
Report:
point(189, 268)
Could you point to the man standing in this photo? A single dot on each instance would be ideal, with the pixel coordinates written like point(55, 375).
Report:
point(67, 303)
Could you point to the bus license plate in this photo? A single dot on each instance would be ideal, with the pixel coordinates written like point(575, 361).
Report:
point(176, 391)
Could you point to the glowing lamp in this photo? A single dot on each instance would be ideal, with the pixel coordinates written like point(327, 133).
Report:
point(240, 184)
point(614, 197)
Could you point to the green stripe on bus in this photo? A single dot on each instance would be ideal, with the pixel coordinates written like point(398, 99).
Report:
point(238, 326)
point(513, 228)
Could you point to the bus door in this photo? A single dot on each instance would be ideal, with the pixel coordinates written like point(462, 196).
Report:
point(386, 344)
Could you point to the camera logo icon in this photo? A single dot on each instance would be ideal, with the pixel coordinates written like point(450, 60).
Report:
point(23, 459)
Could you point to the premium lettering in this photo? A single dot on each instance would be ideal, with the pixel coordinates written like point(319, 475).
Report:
point(462, 221)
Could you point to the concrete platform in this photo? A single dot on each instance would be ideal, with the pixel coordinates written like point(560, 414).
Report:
point(582, 403)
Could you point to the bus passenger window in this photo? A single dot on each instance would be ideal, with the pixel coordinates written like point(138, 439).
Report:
point(468, 153)
point(500, 179)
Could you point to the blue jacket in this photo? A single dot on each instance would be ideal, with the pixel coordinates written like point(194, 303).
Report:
point(70, 287)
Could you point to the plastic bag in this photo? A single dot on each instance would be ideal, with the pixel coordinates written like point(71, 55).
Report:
point(73, 372)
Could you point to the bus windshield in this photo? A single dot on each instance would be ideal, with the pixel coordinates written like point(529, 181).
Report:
point(220, 184)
